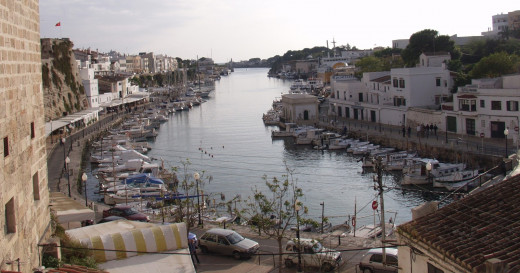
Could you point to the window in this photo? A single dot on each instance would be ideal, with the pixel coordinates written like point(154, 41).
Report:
point(376, 258)
point(36, 187)
point(512, 105)
point(482, 104)
point(395, 82)
point(468, 105)
point(32, 130)
point(496, 105)
point(10, 219)
point(360, 97)
point(437, 81)
point(6, 146)
point(433, 269)
point(401, 83)
point(347, 112)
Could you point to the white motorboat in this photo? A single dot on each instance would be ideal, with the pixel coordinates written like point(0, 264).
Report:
point(306, 137)
point(456, 180)
point(355, 145)
point(417, 174)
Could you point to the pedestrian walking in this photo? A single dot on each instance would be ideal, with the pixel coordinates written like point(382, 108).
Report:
point(418, 130)
point(409, 131)
point(404, 131)
point(193, 249)
point(435, 129)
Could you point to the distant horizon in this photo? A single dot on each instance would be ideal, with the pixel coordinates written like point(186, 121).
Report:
point(243, 30)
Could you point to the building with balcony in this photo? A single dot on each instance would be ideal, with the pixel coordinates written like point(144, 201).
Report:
point(486, 107)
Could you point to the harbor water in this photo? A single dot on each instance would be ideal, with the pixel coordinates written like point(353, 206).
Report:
point(225, 139)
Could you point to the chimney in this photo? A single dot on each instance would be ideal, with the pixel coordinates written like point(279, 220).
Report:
point(424, 209)
point(495, 265)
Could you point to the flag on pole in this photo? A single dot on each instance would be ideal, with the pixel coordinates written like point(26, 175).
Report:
point(58, 24)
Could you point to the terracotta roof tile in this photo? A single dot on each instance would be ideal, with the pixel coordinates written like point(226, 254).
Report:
point(476, 228)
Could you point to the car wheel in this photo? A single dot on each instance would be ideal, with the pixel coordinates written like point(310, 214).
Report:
point(367, 270)
point(327, 267)
point(237, 255)
point(204, 249)
point(288, 263)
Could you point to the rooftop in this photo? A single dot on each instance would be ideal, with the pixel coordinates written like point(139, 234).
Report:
point(472, 230)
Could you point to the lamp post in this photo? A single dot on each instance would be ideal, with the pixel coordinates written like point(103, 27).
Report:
point(429, 169)
point(197, 177)
point(84, 179)
point(67, 161)
point(335, 114)
point(506, 132)
point(297, 208)
point(64, 152)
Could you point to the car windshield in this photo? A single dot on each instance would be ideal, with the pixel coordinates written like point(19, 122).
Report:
point(130, 211)
point(317, 247)
point(234, 238)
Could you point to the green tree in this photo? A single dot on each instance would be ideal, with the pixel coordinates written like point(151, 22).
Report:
point(496, 65)
point(159, 79)
point(369, 64)
point(273, 211)
point(427, 40)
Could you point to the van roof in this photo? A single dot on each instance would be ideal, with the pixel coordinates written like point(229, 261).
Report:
point(389, 250)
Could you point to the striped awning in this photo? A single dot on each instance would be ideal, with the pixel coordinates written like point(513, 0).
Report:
point(122, 245)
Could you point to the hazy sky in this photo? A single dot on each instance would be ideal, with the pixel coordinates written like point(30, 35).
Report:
point(244, 29)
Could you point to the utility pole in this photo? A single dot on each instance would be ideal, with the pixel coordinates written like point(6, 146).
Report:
point(322, 215)
point(383, 224)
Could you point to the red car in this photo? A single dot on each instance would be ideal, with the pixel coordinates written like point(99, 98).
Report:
point(126, 212)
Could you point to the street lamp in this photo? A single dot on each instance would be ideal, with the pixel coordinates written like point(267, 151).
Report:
point(64, 151)
point(197, 177)
point(84, 179)
point(506, 132)
point(429, 169)
point(335, 114)
point(297, 208)
point(67, 161)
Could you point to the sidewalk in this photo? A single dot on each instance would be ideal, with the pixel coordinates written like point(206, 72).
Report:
point(73, 149)
point(461, 143)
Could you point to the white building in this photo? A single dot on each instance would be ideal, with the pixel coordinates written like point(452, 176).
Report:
point(301, 108)
point(400, 43)
point(486, 106)
point(352, 55)
point(385, 97)
point(91, 87)
point(499, 24)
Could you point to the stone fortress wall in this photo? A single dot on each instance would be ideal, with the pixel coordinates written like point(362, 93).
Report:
point(24, 195)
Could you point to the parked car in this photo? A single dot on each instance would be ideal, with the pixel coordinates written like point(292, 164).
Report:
point(227, 242)
point(126, 212)
point(372, 262)
point(312, 254)
point(110, 219)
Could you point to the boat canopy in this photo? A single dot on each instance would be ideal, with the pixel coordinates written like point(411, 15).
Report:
point(143, 178)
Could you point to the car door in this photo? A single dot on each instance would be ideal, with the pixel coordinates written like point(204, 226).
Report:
point(223, 245)
point(308, 257)
point(209, 241)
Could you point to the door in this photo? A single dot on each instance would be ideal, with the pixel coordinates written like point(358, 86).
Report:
point(223, 246)
point(372, 116)
point(306, 115)
point(497, 129)
point(355, 114)
point(451, 124)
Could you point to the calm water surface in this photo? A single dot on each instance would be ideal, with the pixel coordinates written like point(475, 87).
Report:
point(225, 138)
